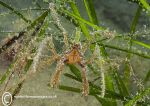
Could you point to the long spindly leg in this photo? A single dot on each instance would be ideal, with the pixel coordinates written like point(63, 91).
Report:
point(85, 47)
point(57, 21)
point(85, 84)
point(56, 76)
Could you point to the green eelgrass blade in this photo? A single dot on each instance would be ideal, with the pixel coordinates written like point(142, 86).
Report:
point(72, 89)
point(128, 38)
point(127, 71)
point(37, 20)
point(91, 11)
point(72, 77)
point(84, 28)
point(110, 87)
point(43, 29)
point(135, 20)
point(103, 51)
point(138, 97)
point(83, 20)
point(127, 51)
point(4, 77)
point(133, 28)
point(75, 71)
point(147, 76)
point(141, 44)
point(105, 101)
point(15, 11)
point(120, 84)
point(145, 5)
point(29, 62)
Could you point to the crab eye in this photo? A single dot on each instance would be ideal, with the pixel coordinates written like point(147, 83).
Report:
point(76, 46)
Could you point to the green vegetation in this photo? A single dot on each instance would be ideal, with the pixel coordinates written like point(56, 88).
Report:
point(114, 81)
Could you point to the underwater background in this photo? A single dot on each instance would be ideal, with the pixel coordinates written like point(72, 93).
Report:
point(116, 15)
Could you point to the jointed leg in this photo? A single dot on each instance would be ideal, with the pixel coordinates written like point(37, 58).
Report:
point(56, 76)
point(56, 19)
point(85, 83)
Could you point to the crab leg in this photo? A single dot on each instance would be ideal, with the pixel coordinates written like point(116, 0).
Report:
point(85, 86)
point(56, 76)
point(56, 19)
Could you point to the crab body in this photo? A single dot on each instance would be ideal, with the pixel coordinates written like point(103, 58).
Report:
point(73, 56)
